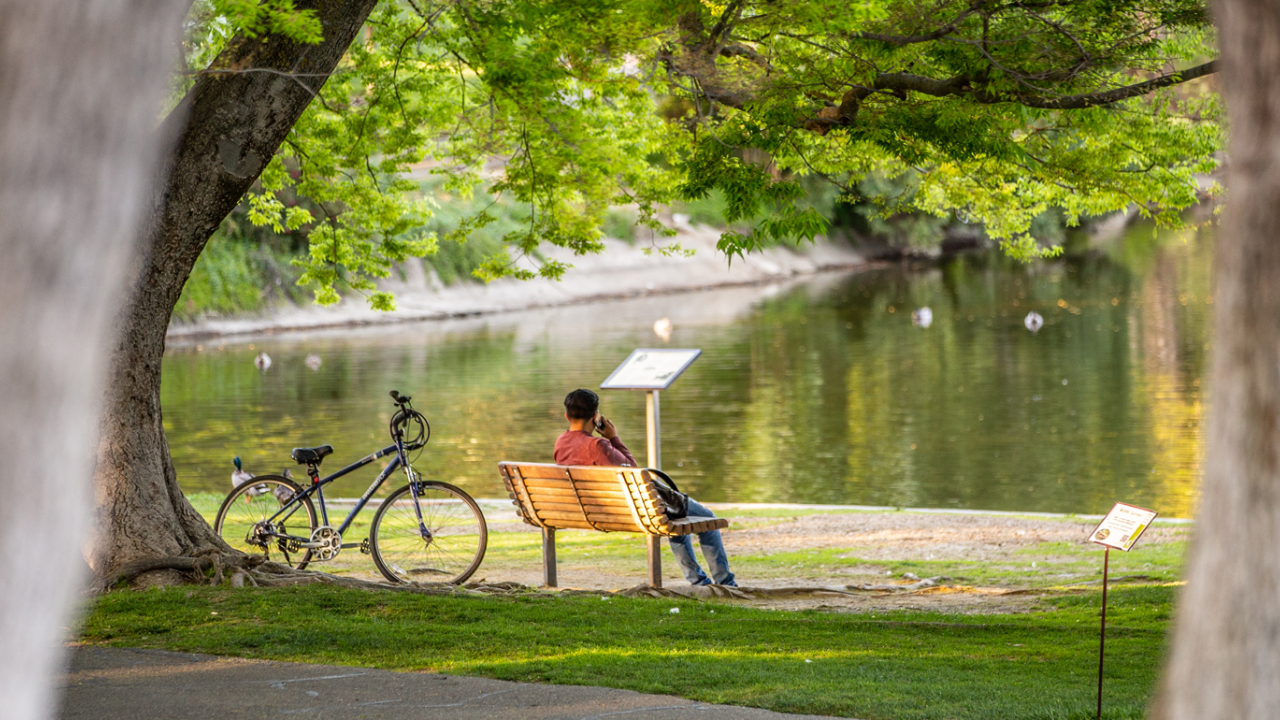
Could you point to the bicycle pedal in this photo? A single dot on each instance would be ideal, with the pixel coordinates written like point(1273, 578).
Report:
point(364, 546)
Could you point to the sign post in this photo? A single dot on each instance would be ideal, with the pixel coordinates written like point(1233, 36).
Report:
point(1120, 529)
point(652, 371)
point(653, 430)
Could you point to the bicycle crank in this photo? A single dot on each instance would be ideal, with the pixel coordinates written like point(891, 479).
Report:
point(325, 543)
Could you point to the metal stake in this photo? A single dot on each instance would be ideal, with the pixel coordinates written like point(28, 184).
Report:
point(1102, 644)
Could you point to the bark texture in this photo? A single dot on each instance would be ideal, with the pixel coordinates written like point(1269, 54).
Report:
point(80, 81)
point(1226, 652)
point(227, 128)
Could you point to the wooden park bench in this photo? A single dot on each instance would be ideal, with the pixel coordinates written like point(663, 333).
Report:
point(607, 499)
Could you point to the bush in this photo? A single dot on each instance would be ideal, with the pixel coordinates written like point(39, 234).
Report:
point(224, 280)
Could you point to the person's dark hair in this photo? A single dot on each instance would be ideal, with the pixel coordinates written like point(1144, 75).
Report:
point(581, 404)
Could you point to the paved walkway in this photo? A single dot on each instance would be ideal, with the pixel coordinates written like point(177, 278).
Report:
point(113, 683)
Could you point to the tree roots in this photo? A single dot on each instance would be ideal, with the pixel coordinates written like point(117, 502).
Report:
point(238, 570)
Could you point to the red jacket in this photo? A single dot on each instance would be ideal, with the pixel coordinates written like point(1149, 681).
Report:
point(577, 447)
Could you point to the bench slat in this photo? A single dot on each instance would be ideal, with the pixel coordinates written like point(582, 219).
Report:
point(590, 497)
point(561, 472)
point(532, 471)
point(612, 523)
point(683, 526)
point(566, 491)
point(691, 525)
point(598, 485)
point(593, 512)
point(554, 513)
point(554, 516)
point(612, 488)
point(618, 508)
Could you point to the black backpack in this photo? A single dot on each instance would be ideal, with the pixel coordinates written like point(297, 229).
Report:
point(675, 503)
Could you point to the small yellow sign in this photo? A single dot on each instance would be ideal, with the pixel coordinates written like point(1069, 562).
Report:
point(1122, 526)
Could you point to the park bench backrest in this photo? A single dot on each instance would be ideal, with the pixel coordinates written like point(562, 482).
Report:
point(608, 499)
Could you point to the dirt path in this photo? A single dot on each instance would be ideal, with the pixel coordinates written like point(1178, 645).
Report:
point(802, 558)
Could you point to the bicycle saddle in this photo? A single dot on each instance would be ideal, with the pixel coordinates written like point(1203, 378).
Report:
point(305, 456)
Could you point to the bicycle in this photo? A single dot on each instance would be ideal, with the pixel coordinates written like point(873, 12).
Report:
point(424, 530)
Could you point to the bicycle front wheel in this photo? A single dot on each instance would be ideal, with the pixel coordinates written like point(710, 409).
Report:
point(451, 548)
point(242, 520)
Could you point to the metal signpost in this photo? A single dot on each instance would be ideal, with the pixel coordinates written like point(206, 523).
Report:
point(651, 370)
point(1120, 529)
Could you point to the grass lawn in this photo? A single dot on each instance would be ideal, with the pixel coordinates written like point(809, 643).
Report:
point(883, 665)
point(1046, 564)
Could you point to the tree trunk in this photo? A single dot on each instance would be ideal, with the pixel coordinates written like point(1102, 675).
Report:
point(1226, 651)
point(227, 128)
point(80, 81)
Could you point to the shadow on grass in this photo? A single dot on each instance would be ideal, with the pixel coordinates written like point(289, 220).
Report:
point(890, 665)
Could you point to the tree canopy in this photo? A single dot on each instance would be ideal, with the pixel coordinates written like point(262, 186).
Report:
point(998, 111)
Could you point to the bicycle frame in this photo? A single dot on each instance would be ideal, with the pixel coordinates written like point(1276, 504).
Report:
point(316, 488)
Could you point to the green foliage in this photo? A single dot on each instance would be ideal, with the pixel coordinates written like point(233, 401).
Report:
point(884, 206)
point(224, 280)
point(242, 269)
point(464, 246)
point(620, 224)
point(567, 108)
point(256, 18)
point(1040, 664)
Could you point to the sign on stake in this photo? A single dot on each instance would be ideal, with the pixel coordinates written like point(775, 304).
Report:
point(1120, 529)
point(651, 370)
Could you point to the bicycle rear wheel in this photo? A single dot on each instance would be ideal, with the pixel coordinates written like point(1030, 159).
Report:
point(454, 545)
point(239, 518)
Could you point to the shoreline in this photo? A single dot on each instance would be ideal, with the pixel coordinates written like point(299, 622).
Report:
point(622, 271)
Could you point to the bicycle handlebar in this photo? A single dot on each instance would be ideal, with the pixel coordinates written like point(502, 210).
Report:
point(406, 415)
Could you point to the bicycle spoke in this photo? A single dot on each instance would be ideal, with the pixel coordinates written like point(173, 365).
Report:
point(247, 510)
point(455, 541)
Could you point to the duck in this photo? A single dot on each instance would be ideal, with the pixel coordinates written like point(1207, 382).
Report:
point(313, 361)
point(1033, 321)
point(282, 493)
point(263, 361)
point(663, 328)
point(923, 317)
point(242, 476)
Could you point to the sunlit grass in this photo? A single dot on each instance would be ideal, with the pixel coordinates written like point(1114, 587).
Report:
point(517, 547)
point(899, 665)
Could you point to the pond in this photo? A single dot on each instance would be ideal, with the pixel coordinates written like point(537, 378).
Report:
point(816, 391)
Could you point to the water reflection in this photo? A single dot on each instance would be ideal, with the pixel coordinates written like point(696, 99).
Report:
point(818, 392)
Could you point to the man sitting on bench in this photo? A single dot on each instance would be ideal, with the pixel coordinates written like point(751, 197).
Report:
point(578, 446)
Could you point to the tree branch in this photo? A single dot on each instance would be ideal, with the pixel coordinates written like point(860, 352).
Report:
point(901, 40)
point(960, 87)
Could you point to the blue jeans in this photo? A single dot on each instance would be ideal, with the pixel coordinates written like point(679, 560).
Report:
point(712, 550)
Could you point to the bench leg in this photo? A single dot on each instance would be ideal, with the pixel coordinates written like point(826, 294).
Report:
point(655, 560)
point(549, 557)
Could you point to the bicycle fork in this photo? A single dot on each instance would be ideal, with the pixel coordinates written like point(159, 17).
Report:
point(417, 509)
point(413, 490)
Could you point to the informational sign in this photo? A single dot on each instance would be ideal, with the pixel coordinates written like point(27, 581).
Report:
point(1122, 526)
point(650, 369)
